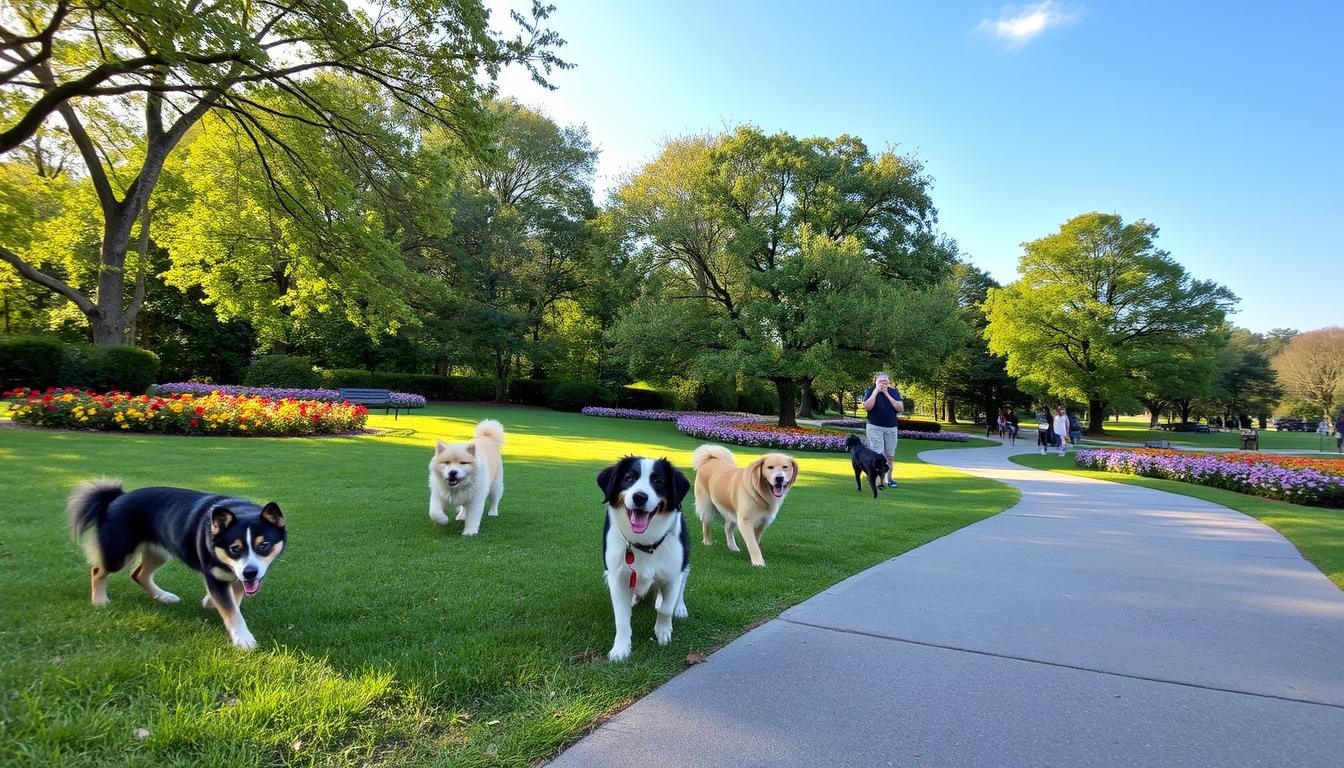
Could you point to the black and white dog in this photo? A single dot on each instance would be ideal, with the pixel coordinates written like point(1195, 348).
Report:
point(866, 460)
point(231, 541)
point(645, 546)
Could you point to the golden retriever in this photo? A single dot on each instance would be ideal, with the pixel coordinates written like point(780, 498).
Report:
point(745, 497)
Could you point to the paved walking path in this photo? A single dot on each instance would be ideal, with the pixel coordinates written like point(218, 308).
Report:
point(1094, 624)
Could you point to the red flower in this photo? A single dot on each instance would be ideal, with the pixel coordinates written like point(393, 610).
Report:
point(200, 410)
point(195, 422)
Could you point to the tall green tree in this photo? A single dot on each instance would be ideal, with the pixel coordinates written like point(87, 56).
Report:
point(1245, 384)
point(1095, 303)
point(784, 259)
point(971, 375)
point(170, 63)
point(1311, 369)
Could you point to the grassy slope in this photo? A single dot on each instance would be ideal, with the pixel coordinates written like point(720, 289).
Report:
point(1317, 533)
point(385, 639)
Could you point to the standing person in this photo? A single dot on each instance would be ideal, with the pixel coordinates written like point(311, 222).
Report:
point(1339, 432)
point(1061, 425)
point(1075, 430)
point(1012, 422)
point(1045, 431)
point(882, 401)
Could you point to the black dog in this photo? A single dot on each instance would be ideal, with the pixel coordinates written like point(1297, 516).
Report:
point(230, 541)
point(866, 460)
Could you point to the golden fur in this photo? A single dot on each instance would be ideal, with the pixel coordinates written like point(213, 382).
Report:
point(743, 496)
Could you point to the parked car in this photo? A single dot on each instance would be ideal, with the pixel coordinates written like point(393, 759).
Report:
point(1290, 424)
point(1188, 427)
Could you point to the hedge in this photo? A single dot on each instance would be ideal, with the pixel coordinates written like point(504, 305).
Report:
point(644, 398)
point(39, 362)
point(432, 386)
point(282, 371)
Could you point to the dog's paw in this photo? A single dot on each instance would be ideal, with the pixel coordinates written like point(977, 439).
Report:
point(167, 598)
point(680, 611)
point(732, 546)
point(619, 652)
point(761, 564)
point(104, 600)
point(461, 514)
point(493, 513)
point(244, 640)
point(207, 601)
point(662, 629)
point(437, 516)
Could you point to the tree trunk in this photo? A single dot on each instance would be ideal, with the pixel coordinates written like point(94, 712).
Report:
point(503, 364)
point(809, 403)
point(786, 388)
point(951, 411)
point(1096, 416)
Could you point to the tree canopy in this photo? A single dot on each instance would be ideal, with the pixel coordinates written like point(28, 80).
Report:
point(1096, 305)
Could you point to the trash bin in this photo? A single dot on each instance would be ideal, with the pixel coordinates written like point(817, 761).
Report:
point(1250, 440)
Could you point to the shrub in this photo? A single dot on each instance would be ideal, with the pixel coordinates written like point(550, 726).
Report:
point(335, 378)
point(918, 425)
point(199, 389)
point(643, 397)
point(574, 395)
point(528, 391)
point(282, 371)
point(758, 397)
point(31, 361)
point(126, 369)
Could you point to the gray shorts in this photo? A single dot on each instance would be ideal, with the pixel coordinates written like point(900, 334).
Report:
point(882, 439)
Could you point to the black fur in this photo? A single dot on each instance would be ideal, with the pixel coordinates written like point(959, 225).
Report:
point(190, 526)
point(866, 461)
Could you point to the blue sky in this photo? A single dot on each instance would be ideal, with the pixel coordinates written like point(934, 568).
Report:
point(1221, 123)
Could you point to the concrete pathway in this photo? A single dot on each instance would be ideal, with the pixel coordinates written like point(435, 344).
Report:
point(1094, 624)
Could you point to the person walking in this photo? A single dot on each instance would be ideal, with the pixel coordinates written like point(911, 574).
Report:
point(1061, 428)
point(882, 401)
point(1045, 431)
point(1075, 430)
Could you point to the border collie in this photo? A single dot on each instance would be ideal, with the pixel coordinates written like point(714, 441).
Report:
point(645, 547)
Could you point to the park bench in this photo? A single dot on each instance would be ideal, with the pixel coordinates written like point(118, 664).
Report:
point(1157, 444)
point(1250, 440)
point(371, 398)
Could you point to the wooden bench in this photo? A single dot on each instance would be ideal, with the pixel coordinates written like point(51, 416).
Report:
point(1157, 444)
point(371, 398)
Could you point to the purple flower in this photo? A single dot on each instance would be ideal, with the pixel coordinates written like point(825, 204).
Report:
point(1298, 485)
point(718, 427)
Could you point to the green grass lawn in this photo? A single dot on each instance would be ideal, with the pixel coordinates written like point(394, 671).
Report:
point(1134, 429)
point(383, 638)
point(1317, 533)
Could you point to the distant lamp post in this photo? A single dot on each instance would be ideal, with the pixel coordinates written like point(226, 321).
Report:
point(1321, 431)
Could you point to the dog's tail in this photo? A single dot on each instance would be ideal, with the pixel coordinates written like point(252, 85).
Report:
point(88, 504)
point(490, 431)
point(706, 452)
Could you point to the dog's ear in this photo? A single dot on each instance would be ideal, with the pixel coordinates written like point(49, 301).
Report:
point(271, 513)
point(604, 479)
point(793, 477)
point(680, 486)
point(757, 470)
point(471, 448)
point(439, 447)
point(220, 518)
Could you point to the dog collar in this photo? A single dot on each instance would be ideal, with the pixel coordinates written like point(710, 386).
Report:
point(647, 549)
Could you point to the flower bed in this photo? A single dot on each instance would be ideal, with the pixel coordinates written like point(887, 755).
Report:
point(905, 424)
point(732, 428)
point(401, 399)
point(1291, 479)
point(213, 414)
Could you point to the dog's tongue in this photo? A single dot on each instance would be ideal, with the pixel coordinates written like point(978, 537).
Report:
point(639, 520)
point(778, 490)
point(250, 586)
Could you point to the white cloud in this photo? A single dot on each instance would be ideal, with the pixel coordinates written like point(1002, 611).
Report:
point(1020, 26)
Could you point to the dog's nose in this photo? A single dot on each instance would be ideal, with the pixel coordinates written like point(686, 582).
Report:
point(452, 474)
point(640, 498)
point(250, 572)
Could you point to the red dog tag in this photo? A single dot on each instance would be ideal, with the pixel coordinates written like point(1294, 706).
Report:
point(630, 561)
